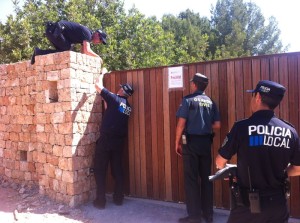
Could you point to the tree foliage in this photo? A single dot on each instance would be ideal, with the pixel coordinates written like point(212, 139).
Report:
point(235, 29)
point(240, 30)
point(190, 31)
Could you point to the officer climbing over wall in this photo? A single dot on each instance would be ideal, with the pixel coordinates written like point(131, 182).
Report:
point(110, 145)
point(64, 34)
point(267, 150)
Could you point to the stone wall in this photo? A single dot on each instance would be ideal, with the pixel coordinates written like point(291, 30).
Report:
point(49, 121)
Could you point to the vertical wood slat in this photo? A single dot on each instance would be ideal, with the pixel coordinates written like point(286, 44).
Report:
point(142, 136)
point(248, 85)
point(179, 96)
point(167, 151)
point(131, 152)
point(154, 170)
point(256, 76)
point(265, 69)
point(215, 95)
point(136, 124)
point(173, 156)
point(283, 79)
point(239, 89)
point(148, 133)
point(231, 93)
point(223, 106)
point(160, 119)
point(154, 138)
point(274, 74)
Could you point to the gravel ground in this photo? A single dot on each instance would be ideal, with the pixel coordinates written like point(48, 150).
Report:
point(23, 204)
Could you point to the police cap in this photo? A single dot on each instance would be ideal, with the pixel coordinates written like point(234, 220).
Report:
point(270, 89)
point(199, 78)
point(102, 36)
point(127, 89)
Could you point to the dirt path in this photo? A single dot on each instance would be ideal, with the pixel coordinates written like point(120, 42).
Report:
point(20, 204)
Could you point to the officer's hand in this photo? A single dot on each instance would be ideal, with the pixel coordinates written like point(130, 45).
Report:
point(227, 178)
point(103, 71)
point(179, 150)
point(99, 84)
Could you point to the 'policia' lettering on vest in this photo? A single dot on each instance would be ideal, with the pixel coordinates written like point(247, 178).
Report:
point(269, 136)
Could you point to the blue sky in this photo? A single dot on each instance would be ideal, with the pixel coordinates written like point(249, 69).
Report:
point(286, 13)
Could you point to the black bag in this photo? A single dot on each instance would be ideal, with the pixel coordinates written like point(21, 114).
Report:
point(50, 27)
point(55, 28)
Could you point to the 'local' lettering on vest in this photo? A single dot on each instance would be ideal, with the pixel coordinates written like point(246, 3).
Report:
point(269, 136)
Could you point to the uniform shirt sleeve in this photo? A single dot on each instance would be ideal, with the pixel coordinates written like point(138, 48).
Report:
point(230, 144)
point(183, 110)
point(216, 116)
point(107, 95)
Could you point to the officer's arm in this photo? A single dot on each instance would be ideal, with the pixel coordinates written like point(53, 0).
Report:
point(86, 49)
point(293, 170)
point(216, 125)
point(179, 130)
point(220, 162)
point(99, 83)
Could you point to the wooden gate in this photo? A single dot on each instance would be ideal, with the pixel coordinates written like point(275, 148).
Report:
point(153, 170)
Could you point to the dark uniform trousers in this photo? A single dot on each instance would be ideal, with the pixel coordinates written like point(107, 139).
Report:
point(54, 33)
point(197, 167)
point(274, 209)
point(109, 149)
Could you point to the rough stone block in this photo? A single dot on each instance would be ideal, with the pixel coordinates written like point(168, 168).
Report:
point(48, 111)
point(68, 176)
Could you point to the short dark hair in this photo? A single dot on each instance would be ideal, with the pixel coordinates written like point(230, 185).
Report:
point(271, 102)
point(201, 85)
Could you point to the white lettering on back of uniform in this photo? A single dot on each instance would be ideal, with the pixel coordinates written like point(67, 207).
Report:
point(275, 136)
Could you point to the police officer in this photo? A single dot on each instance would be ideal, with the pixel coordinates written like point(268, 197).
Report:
point(267, 151)
point(64, 34)
point(110, 145)
point(197, 117)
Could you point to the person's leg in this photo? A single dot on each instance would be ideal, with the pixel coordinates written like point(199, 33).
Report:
point(240, 214)
point(37, 51)
point(191, 183)
point(56, 37)
point(101, 161)
point(274, 210)
point(206, 186)
point(117, 173)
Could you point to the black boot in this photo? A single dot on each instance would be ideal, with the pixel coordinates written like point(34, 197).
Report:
point(37, 51)
point(33, 56)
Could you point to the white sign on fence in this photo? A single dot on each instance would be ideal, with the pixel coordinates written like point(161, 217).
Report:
point(175, 77)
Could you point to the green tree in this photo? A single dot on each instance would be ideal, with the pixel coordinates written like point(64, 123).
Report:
point(191, 35)
point(138, 42)
point(238, 29)
point(134, 41)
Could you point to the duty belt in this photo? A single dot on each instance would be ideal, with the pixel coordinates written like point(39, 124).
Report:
point(241, 197)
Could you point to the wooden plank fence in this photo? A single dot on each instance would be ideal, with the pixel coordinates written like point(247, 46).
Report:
point(153, 170)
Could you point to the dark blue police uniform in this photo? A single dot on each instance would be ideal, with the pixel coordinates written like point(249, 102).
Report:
point(110, 145)
point(264, 145)
point(200, 112)
point(63, 34)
